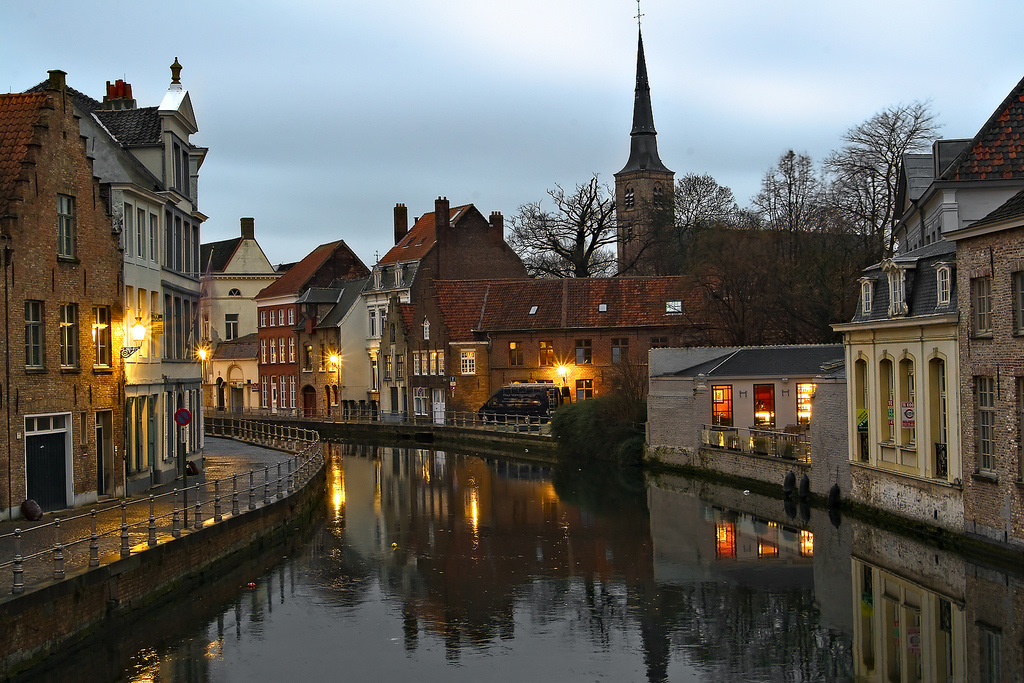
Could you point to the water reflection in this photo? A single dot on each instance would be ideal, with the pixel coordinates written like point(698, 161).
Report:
point(449, 566)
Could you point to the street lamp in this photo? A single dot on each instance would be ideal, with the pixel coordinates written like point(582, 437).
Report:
point(335, 361)
point(562, 370)
point(138, 335)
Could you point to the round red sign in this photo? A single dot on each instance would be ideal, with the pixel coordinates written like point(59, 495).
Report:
point(182, 416)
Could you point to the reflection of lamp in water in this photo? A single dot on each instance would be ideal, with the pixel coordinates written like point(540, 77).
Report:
point(473, 506)
point(337, 488)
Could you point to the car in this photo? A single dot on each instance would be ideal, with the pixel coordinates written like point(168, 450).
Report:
point(533, 401)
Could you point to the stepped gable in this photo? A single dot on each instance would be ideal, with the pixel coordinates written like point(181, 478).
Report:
point(19, 114)
point(997, 151)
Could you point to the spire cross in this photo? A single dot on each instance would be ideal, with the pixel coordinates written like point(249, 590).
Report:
point(638, 13)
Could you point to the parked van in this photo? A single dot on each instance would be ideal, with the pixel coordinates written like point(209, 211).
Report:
point(523, 400)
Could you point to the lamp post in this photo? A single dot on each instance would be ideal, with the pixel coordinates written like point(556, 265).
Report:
point(201, 354)
point(335, 360)
point(137, 336)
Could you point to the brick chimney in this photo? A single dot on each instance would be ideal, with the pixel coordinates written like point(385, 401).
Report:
point(248, 228)
point(497, 222)
point(401, 222)
point(119, 96)
point(56, 80)
point(442, 219)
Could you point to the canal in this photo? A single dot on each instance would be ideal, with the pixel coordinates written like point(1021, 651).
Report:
point(442, 566)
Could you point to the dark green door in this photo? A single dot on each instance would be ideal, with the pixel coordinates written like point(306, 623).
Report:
point(47, 470)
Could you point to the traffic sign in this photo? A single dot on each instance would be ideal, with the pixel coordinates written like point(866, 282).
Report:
point(182, 416)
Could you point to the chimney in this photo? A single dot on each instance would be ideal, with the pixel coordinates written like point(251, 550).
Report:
point(56, 80)
point(401, 222)
point(248, 228)
point(497, 222)
point(442, 216)
point(119, 96)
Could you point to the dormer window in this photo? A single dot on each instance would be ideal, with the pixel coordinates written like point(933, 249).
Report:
point(866, 290)
point(426, 329)
point(602, 308)
point(533, 310)
point(398, 276)
point(943, 283)
point(673, 307)
point(376, 278)
point(897, 291)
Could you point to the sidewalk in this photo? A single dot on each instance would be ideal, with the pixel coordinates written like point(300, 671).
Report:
point(223, 458)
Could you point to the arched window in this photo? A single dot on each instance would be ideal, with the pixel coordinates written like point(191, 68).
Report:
point(235, 292)
point(630, 198)
point(659, 194)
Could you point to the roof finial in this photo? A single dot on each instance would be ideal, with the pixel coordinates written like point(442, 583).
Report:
point(176, 70)
point(638, 14)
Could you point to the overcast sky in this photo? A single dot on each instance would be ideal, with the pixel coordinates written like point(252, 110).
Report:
point(320, 115)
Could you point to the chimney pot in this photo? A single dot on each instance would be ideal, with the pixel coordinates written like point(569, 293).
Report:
point(248, 228)
point(497, 222)
point(401, 222)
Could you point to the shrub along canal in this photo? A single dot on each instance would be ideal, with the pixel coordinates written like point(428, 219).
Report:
point(434, 565)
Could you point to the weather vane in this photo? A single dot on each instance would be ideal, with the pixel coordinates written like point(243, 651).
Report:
point(638, 13)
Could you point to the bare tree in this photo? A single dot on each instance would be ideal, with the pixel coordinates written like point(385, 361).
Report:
point(790, 194)
point(576, 239)
point(864, 173)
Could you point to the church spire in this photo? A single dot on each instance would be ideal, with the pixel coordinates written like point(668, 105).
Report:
point(643, 139)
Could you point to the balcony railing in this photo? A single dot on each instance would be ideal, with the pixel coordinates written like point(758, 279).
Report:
point(757, 442)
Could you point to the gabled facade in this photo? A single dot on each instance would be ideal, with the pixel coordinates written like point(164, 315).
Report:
point(235, 368)
point(447, 244)
point(279, 320)
point(64, 322)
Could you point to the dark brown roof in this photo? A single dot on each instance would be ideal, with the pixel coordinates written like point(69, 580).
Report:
point(420, 238)
point(407, 313)
point(997, 151)
point(18, 116)
point(297, 278)
point(506, 305)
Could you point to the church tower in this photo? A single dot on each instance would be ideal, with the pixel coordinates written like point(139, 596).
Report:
point(644, 186)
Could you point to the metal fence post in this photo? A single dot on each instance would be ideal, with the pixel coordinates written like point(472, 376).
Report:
point(252, 490)
point(176, 522)
point(152, 521)
point(216, 501)
point(94, 542)
point(19, 571)
point(125, 550)
point(291, 476)
point(279, 480)
point(58, 551)
point(234, 494)
point(266, 485)
point(197, 521)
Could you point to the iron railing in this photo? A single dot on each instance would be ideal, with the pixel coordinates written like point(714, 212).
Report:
point(468, 420)
point(757, 442)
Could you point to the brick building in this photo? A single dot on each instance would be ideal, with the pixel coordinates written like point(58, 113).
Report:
point(990, 290)
point(449, 243)
point(63, 328)
point(279, 319)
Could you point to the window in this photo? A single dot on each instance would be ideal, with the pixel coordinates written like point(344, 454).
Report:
point(263, 351)
point(307, 358)
point(323, 361)
point(533, 310)
point(1017, 289)
point(897, 293)
point(373, 322)
point(283, 390)
point(803, 402)
point(659, 194)
point(887, 397)
point(440, 362)
point(291, 316)
point(468, 362)
point(630, 199)
point(721, 405)
point(129, 230)
point(291, 391)
point(547, 354)
point(387, 366)
point(291, 349)
point(620, 349)
point(583, 352)
point(515, 354)
point(65, 226)
point(865, 296)
point(154, 222)
point(230, 326)
point(399, 367)
point(908, 402)
point(942, 284)
point(659, 342)
point(990, 657)
point(234, 292)
point(263, 391)
point(986, 422)
point(374, 375)
point(938, 402)
point(673, 307)
point(584, 389)
point(434, 365)
point(263, 318)
point(1020, 427)
point(981, 305)
point(764, 405)
point(101, 335)
point(34, 334)
point(426, 329)
point(273, 318)
point(69, 335)
point(140, 232)
point(376, 279)
point(280, 317)
point(602, 308)
point(273, 351)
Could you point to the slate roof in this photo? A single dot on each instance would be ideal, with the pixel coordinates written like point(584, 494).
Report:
point(132, 127)
point(1010, 209)
point(919, 170)
point(420, 238)
point(215, 256)
point(243, 348)
point(294, 280)
point(80, 99)
point(573, 303)
point(997, 151)
point(921, 286)
point(18, 116)
point(770, 361)
point(349, 296)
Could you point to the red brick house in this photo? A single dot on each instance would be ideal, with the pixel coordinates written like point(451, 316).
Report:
point(64, 327)
point(279, 318)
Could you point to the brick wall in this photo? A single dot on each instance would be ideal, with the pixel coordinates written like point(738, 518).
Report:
point(829, 438)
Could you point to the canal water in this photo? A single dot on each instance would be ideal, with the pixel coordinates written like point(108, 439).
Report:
point(443, 566)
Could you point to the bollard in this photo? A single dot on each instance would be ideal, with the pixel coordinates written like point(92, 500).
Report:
point(19, 571)
point(125, 550)
point(252, 490)
point(58, 551)
point(216, 501)
point(291, 476)
point(94, 542)
point(279, 481)
point(152, 521)
point(197, 521)
point(234, 494)
point(176, 520)
point(266, 485)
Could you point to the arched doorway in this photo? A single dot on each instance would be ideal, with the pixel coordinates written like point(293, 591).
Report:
point(220, 393)
point(308, 401)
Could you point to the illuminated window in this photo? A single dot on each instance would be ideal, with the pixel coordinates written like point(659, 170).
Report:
point(764, 405)
point(766, 548)
point(468, 362)
point(547, 353)
point(803, 403)
point(515, 353)
point(721, 405)
point(584, 389)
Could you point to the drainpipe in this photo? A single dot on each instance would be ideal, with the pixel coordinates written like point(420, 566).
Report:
point(5, 242)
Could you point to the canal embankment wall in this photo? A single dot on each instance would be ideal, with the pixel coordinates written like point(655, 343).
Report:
point(54, 618)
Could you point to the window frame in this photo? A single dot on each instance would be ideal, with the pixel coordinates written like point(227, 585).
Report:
point(547, 353)
point(620, 349)
point(584, 352)
point(66, 228)
point(985, 423)
point(69, 355)
point(101, 336)
point(467, 361)
point(515, 354)
point(722, 405)
point(943, 284)
point(35, 334)
point(981, 306)
point(1017, 301)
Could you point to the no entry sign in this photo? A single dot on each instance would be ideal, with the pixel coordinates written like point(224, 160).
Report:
point(182, 416)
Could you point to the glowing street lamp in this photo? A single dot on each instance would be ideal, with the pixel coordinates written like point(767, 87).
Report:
point(138, 335)
point(562, 370)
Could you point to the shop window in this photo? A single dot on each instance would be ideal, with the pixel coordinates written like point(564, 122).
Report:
point(764, 406)
point(721, 405)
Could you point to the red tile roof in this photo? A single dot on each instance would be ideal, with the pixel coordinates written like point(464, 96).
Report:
point(295, 278)
point(505, 305)
point(18, 116)
point(407, 311)
point(420, 238)
point(997, 151)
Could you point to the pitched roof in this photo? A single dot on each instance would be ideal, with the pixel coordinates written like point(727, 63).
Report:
point(573, 303)
point(295, 280)
point(1010, 209)
point(215, 256)
point(350, 294)
point(805, 360)
point(243, 348)
point(80, 99)
point(920, 285)
point(132, 126)
point(420, 238)
point(997, 151)
point(18, 116)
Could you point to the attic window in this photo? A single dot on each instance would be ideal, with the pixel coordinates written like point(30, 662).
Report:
point(673, 307)
point(235, 292)
point(897, 291)
point(602, 308)
point(943, 281)
point(865, 296)
point(533, 310)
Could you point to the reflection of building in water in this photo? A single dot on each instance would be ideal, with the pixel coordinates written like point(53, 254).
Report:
point(904, 631)
point(995, 618)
